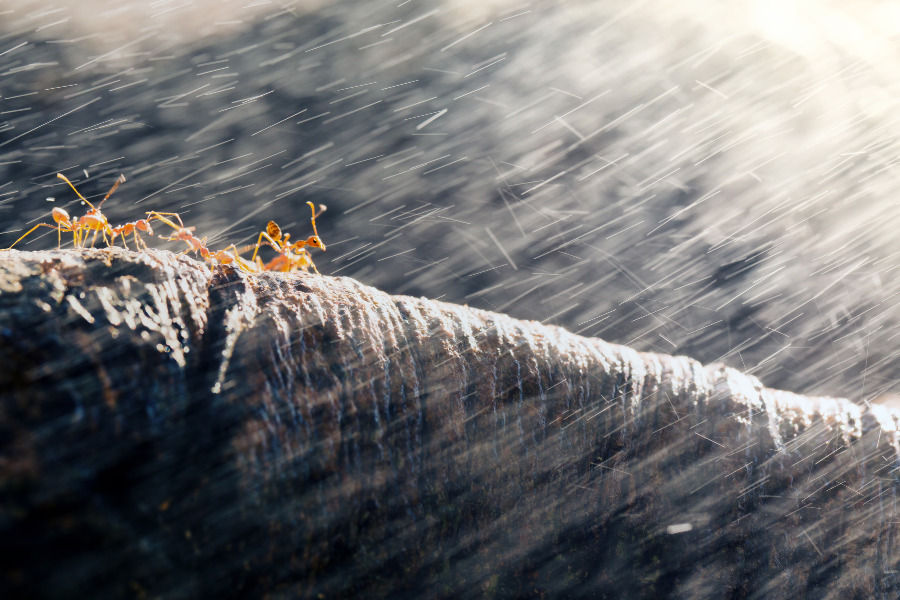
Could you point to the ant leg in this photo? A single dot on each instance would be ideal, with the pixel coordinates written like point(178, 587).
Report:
point(244, 264)
point(227, 248)
point(161, 216)
point(258, 243)
point(236, 258)
point(32, 229)
point(306, 261)
point(272, 243)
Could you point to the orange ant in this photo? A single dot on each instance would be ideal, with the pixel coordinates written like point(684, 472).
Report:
point(93, 220)
point(132, 228)
point(290, 256)
point(198, 245)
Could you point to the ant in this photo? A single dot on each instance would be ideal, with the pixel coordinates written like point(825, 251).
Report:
point(198, 245)
point(290, 256)
point(93, 220)
point(132, 228)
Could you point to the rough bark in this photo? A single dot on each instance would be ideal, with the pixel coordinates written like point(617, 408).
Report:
point(167, 430)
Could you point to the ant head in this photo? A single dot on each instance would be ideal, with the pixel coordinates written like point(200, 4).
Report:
point(60, 216)
point(143, 225)
point(315, 242)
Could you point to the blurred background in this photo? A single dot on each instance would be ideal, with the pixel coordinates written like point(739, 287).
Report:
point(702, 178)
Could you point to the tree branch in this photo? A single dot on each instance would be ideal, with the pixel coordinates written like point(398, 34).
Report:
point(171, 430)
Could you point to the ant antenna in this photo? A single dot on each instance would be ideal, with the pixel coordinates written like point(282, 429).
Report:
point(120, 180)
point(313, 207)
point(66, 179)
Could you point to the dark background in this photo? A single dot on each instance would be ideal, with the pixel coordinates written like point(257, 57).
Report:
point(710, 179)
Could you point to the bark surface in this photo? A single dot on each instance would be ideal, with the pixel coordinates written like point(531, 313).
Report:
point(170, 430)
